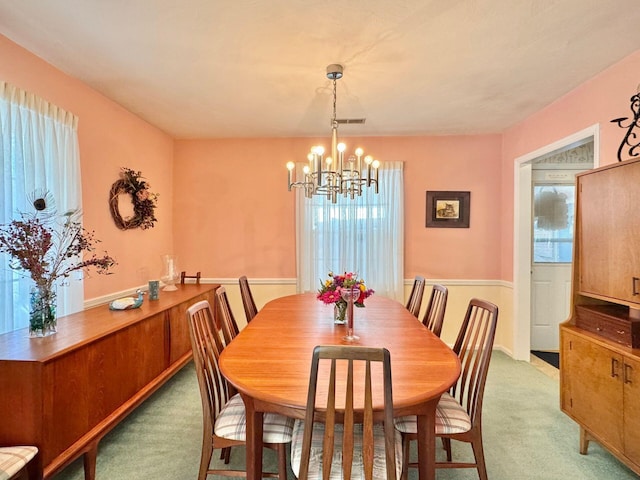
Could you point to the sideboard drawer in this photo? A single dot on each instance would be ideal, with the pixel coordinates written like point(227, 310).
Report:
point(611, 322)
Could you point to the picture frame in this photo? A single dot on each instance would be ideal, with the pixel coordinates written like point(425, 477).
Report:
point(447, 209)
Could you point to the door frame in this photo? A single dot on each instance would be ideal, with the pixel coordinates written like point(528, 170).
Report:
point(522, 235)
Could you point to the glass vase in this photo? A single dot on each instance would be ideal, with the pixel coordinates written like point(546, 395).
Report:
point(350, 295)
point(340, 312)
point(42, 312)
point(170, 274)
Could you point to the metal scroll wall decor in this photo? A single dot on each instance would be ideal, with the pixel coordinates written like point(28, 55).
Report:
point(630, 142)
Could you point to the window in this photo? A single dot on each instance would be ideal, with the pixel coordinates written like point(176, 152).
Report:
point(38, 152)
point(363, 235)
point(553, 223)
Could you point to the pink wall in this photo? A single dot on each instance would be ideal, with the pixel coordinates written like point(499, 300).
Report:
point(110, 137)
point(597, 101)
point(227, 229)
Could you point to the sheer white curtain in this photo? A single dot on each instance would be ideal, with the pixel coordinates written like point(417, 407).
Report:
point(38, 151)
point(363, 235)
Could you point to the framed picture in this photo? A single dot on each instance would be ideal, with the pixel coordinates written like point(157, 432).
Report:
point(448, 209)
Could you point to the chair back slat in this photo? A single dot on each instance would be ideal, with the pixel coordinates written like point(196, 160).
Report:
point(434, 315)
point(473, 347)
point(348, 423)
point(367, 427)
point(250, 309)
point(349, 418)
point(330, 424)
point(206, 346)
point(415, 297)
point(229, 325)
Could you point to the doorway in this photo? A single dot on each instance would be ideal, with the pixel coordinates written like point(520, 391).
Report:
point(552, 249)
point(542, 287)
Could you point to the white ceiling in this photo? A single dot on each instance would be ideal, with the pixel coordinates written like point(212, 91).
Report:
point(251, 68)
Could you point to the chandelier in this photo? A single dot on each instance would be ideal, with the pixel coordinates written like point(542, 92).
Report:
point(334, 175)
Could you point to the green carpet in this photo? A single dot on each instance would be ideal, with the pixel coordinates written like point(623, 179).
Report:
point(525, 435)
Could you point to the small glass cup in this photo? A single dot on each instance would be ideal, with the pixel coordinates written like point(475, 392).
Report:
point(154, 289)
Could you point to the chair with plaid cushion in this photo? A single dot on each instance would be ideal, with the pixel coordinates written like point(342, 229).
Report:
point(14, 462)
point(250, 309)
point(434, 315)
point(415, 297)
point(348, 440)
point(459, 412)
point(224, 420)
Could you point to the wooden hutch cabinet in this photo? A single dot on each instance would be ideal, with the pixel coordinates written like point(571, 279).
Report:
point(63, 393)
point(599, 343)
point(609, 233)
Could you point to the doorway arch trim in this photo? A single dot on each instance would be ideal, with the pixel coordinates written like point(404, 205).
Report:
point(522, 235)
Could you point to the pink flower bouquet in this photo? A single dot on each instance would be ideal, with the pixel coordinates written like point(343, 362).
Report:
point(331, 289)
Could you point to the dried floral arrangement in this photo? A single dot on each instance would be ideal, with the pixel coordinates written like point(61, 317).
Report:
point(42, 243)
point(50, 247)
point(143, 200)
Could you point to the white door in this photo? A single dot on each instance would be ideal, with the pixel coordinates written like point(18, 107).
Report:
point(550, 299)
point(553, 207)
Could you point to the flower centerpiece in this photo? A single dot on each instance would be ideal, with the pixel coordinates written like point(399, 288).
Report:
point(331, 293)
point(49, 247)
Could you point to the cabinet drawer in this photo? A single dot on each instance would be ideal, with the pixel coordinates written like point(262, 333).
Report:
point(611, 322)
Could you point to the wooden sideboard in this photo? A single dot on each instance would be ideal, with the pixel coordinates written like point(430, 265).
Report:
point(599, 368)
point(63, 393)
point(601, 392)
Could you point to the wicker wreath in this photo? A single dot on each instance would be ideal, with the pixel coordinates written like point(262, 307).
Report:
point(144, 201)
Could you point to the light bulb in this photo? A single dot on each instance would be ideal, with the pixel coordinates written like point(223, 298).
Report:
point(368, 159)
point(290, 165)
point(341, 147)
point(375, 164)
point(305, 169)
point(359, 152)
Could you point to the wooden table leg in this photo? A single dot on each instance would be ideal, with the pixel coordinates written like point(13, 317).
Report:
point(89, 459)
point(427, 442)
point(584, 441)
point(253, 440)
point(34, 468)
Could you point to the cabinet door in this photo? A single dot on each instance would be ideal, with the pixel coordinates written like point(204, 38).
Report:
point(592, 387)
point(180, 340)
point(632, 409)
point(608, 229)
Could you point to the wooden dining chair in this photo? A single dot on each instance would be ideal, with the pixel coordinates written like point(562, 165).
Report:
point(340, 440)
point(250, 309)
point(434, 315)
point(415, 297)
point(184, 277)
point(459, 412)
point(14, 462)
point(227, 321)
point(224, 420)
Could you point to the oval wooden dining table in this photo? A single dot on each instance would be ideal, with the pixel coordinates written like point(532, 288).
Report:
point(270, 360)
